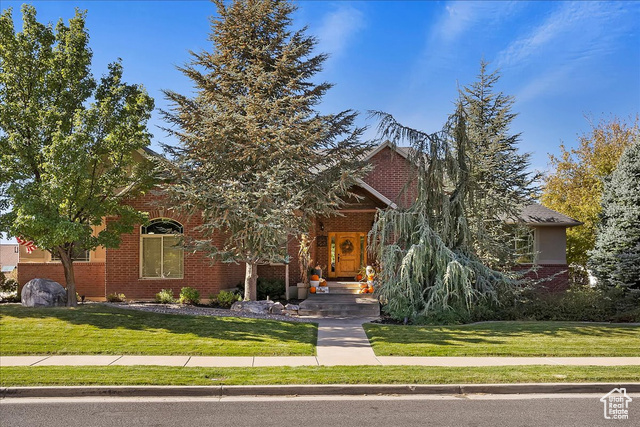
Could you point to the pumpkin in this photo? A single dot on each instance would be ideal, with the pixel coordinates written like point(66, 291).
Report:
point(359, 277)
point(312, 289)
point(323, 283)
point(363, 286)
point(370, 289)
point(315, 277)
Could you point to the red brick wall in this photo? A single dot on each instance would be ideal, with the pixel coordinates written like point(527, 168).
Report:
point(278, 271)
point(559, 272)
point(90, 276)
point(391, 172)
point(123, 263)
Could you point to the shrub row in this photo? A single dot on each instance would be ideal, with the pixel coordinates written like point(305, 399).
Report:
point(578, 303)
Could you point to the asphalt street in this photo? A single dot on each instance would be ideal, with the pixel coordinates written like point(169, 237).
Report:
point(325, 411)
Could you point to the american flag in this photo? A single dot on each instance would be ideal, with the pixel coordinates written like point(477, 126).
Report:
point(29, 245)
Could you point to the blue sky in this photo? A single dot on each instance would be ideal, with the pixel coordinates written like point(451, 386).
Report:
point(561, 61)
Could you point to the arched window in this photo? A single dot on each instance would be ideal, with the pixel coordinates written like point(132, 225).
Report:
point(161, 253)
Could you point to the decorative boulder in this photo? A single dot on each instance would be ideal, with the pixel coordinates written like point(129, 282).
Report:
point(43, 293)
point(291, 310)
point(255, 307)
point(276, 308)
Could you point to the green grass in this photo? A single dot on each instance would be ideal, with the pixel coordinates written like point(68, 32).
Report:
point(542, 339)
point(100, 329)
point(161, 375)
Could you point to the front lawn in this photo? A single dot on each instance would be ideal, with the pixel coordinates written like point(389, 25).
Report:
point(163, 375)
point(99, 329)
point(544, 339)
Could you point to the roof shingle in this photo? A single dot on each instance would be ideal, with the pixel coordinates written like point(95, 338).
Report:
point(536, 214)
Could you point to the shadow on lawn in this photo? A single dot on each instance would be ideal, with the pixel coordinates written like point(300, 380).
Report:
point(222, 328)
point(497, 332)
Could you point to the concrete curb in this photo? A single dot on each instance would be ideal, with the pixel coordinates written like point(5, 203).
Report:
point(312, 390)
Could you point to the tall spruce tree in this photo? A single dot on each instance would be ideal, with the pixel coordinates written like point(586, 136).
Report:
point(255, 159)
point(499, 183)
point(615, 260)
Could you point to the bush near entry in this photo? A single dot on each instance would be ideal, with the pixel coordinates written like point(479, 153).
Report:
point(272, 288)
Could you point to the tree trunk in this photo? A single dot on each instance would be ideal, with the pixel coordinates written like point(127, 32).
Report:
point(69, 276)
point(250, 282)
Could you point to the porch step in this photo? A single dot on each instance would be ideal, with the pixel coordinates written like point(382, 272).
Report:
point(350, 288)
point(333, 304)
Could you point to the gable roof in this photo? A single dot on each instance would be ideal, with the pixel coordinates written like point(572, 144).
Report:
point(403, 151)
point(375, 193)
point(536, 214)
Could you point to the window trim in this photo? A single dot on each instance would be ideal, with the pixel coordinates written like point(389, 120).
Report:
point(161, 237)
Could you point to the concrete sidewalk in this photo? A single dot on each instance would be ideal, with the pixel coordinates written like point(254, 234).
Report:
point(341, 341)
point(342, 359)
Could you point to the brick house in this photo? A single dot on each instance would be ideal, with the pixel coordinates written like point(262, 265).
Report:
point(147, 261)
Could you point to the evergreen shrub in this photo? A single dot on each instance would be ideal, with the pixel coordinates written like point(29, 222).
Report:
point(225, 299)
point(165, 296)
point(188, 295)
point(578, 303)
point(272, 288)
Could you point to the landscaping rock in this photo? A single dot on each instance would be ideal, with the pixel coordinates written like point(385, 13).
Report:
point(256, 307)
point(276, 308)
point(43, 293)
point(291, 310)
point(204, 311)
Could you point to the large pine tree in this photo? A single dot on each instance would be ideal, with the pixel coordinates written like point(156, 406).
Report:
point(500, 184)
point(255, 158)
point(615, 260)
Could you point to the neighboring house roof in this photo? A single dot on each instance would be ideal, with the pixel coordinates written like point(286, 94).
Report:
point(536, 214)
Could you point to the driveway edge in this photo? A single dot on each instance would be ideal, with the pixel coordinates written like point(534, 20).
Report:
point(313, 390)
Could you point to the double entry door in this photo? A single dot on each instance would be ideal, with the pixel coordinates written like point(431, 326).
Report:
point(347, 253)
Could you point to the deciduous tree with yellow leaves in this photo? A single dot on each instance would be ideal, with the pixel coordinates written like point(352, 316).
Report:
point(575, 183)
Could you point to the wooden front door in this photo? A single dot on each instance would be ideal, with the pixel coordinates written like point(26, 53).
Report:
point(345, 253)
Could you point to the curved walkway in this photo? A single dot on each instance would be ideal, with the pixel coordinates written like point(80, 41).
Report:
point(341, 341)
